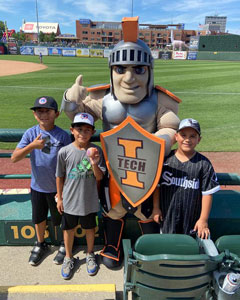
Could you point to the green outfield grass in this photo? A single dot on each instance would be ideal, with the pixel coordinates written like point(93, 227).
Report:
point(210, 93)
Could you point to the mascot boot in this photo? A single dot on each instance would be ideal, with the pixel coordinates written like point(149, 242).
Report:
point(149, 226)
point(112, 251)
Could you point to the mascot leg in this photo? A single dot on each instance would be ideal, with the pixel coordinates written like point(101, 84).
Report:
point(149, 226)
point(112, 252)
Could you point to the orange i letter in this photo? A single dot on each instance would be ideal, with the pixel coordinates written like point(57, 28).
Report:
point(130, 150)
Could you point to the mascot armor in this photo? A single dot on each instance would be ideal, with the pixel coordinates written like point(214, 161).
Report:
point(131, 93)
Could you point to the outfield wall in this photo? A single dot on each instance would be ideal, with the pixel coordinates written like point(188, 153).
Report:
point(228, 56)
point(219, 43)
point(157, 54)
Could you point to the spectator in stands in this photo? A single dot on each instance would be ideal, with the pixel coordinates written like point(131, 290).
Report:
point(80, 165)
point(43, 142)
point(184, 198)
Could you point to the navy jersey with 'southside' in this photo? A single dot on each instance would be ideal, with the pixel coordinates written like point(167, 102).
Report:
point(182, 185)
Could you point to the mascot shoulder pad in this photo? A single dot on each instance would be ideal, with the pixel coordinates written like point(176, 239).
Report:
point(98, 87)
point(167, 92)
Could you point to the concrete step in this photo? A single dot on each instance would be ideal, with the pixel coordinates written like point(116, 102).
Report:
point(19, 280)
point(59, 292)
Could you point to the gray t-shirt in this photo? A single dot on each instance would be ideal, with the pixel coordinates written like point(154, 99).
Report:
point(80, 195)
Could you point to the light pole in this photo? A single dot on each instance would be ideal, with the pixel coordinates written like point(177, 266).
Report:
point(37, 22)
point(132, 8)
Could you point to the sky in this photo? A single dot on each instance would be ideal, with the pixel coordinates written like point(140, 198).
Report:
point(66, 12)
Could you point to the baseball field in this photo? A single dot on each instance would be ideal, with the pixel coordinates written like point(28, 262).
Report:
point(210, 93)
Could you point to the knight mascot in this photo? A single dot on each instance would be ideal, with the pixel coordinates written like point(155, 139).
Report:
point(131, 92)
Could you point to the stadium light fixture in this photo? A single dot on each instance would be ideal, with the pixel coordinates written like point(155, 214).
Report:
point(37, 22)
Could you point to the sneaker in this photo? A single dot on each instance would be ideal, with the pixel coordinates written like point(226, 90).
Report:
point(67, 268)
point(37, 254)
point(58, 259)
point(92, 266)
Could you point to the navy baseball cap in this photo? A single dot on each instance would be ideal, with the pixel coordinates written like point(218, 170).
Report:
point(190, 123)
point(45, 102)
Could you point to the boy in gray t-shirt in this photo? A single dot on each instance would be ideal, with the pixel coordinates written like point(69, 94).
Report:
point(80, 165)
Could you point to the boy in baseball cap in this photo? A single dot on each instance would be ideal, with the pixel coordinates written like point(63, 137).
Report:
point(43, 142)
point(45, 102)
point(80, 165)
point(83, 118)
point(184, 198)
point(191, 123)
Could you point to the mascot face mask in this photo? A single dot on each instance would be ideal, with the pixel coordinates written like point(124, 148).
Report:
point(131, 66)
point(130, 83)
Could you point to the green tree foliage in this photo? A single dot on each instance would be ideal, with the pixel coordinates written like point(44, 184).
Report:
point(41, 36)
point(2, 28)
point(20, 36)
point(46, 37)
point(52, 37)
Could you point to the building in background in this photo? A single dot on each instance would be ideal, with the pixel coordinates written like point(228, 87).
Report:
point(216, 23)
point(106, 34)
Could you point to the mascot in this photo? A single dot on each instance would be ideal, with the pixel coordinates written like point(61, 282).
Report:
point(131, 93)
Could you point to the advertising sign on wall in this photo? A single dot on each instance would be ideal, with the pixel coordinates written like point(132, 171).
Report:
point(179, 55)
point(106, 52)
point(54, 51)
point(96, 52)
point(1, 50)
point(165, 55)
point(83, 52)
point(12, 48)
point(27, 50)
point(155, 54)
point(69, 52)
point(194, 42)
point(192, 55)
point(43, 50)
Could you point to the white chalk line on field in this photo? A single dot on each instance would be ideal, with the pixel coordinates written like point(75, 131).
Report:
point(32, 87)
point(63, 89)
point(208, 93)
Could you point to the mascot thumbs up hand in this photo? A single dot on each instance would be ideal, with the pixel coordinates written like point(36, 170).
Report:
point(77, 93)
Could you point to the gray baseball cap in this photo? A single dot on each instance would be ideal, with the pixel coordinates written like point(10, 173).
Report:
point(190, 123)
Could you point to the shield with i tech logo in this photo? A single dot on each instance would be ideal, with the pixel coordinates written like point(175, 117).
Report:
point(134, 159)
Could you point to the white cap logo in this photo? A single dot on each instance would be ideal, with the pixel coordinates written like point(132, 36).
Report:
point(42, 100)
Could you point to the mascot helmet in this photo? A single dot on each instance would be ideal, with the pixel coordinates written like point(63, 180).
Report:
point(132, 51)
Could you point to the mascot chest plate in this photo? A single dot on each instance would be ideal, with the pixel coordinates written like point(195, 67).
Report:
point(134, 158)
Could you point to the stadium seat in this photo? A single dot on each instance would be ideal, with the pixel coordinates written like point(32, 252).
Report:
point(167, 266)
point(229, 242)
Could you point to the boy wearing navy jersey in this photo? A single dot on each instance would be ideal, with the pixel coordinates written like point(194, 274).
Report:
point(184, 198)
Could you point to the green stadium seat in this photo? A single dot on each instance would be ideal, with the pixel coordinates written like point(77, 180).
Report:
point(229, 242)
point(167, 266)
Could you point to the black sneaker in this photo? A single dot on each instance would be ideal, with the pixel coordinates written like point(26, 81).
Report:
point(58, 259)
point(37, 254)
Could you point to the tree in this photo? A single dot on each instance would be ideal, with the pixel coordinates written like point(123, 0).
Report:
point(19, 36)
point(41, 36)
point(52, 37)
point(46, 37)
point(2, 28)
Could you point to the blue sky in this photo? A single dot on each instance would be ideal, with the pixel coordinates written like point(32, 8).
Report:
point(65, 12)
